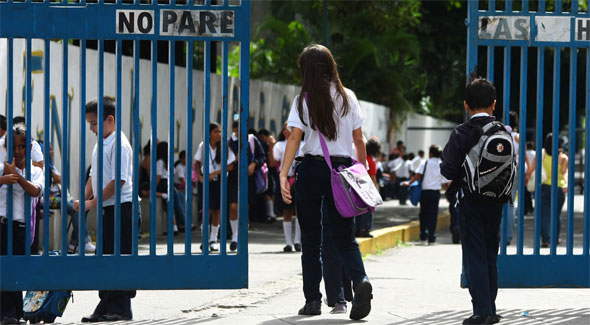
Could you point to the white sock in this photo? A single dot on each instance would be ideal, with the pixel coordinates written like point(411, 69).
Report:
point(297, 231)
point(234, 230)
point(287, 229)
point(175, 228)
point(214, 232)
point(270, 208)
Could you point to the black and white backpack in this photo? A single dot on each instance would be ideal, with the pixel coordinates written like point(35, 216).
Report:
point(490, 165)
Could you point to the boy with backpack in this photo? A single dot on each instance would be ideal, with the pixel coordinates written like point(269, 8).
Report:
point(479, 160)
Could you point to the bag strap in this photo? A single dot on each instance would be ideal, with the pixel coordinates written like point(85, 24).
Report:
point(423, 174)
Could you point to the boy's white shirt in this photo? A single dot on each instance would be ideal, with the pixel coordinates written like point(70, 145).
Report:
point(18, 196)
point(108, 174)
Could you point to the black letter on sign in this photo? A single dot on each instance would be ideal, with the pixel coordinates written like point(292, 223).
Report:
point(146, 18)
point(582, 29)
point(519, 26)
point(169, 18)
point(227, 22)
point(186, 22)
point(206, 18)
point(124, 21)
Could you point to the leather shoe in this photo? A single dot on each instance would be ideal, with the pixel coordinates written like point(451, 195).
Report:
point(311, 308)
point(114, 318)
point(9, 320)
point(476, 319)
point(93, 318)
point(361, 303)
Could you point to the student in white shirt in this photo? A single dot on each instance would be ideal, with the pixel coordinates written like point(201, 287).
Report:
point(179, 178)
point(14, 173)
point(113, 305)
point(214, 179)
point(402, 174)
point(287, 209)
point(162, 171)
point(432, 181)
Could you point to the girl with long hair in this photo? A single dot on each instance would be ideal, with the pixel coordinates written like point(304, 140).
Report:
point(324, 108)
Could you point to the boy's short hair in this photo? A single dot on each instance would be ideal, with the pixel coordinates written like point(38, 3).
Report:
point(480, 93)
point(435, 151)
point(108, 104)
point(3, 122)
point(18, 120)
point(264, 132)
point(182, 154)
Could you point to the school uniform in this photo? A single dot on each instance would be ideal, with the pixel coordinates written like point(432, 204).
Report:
point(36, 152)
point(11, 302)
point(402, 173)
point(115, 301)
point(479, 220)
point(162, 187)
point(432, 182)
point(313, 190)
point(215, 184)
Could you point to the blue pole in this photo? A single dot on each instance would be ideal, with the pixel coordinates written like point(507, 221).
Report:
point(82, 173)
point(65, 178)
point(171, 194)
point(136, 147)
point(188, 191)
point(555, 152)
point(99, 150)
point(28, 162)
point(522, 141)
point(506, 119)
point(539, 145)
point(154, 138)
point(224, 150)
point(572, 151)
point(118, 152)
point(46, 134)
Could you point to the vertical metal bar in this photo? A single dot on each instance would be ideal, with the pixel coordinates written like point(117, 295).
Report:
point(508, 6)
point(46, 133)
point(574, 9)
point(28, 140)
point(525, 6)
point(154, 138)
point(471, 40)
point(224, 149)
point(9, 142)
point(539, 145)
point(118, 114)
point(82, 173)
point(65, 177)
point(244, 113)
point(555, 152)
point(490, 67)
point(99, 150)
point(522, 141)
point(136, 148)
point(492, 5)
point(572, 150)
point(188, 190)
point(586, 243)
point(171, 120)
point(541, 8)
point(558, 6)
point(205, 149)
point(506, 120)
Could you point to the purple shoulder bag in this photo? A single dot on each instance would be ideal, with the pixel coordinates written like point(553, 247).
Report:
point(352, 187)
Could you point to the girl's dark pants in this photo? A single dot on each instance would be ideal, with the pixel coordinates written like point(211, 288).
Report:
point(11, 302)
point(313, 188)
point(429, 214)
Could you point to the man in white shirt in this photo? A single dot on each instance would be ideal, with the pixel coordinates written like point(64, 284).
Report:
point(113, 305)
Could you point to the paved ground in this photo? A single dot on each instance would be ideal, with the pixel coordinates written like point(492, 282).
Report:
point(413, 284)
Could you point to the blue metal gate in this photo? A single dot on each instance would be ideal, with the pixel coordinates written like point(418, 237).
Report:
point(75, 23)
point(553, 32)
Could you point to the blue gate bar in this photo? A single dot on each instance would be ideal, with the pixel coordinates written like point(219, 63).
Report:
point(586, 243)
point(508, 6)
point(539, 144)
point(153, 151)
point(136, 150)
point(490, 67)
point(99, 151)
point(555, 149)
point(572, 151)
point(65, 179)
point(46, 134)
point(171, 194)
point(28, 162)
point(557, 6)
point(224, 151)
point(524, 52)
point(506, 120)
point(205, 149)
point(541, 8)
point(118, 114)
point(525, 6)
point(82, 172)
point(243, 160)
point(574, 9)
point(188, 189)
point(9, 141)
point(491, 5)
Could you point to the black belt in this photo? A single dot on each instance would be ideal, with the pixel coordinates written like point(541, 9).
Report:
point(5, 220)
point(334, 159)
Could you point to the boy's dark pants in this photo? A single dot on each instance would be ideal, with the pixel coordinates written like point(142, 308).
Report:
point(480, 235)
point(429, 214)
point(116, 302)
point(11, 302)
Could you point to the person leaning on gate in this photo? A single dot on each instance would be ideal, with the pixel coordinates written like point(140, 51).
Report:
point(11, 302)
point(113, 305)
point(325, 106)
point(479, 218)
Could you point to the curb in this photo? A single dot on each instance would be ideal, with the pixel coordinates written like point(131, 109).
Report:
point(392, 236)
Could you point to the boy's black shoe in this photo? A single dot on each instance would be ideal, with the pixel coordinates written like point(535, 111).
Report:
point(496, 318)
point(297, 247)
point(476, 319)
point(9, 320)
point(233, 246)
point(93, 318)
point(361, 304)
point(287, 249)
point(311, 309)
point(113, 318)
